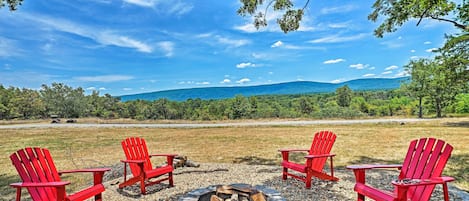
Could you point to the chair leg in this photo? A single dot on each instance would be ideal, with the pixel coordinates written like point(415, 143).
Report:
point(171, 183)
point(142, 186)
point(308, 178)
point(98, 197)
point(360, 197)
point(284, 173)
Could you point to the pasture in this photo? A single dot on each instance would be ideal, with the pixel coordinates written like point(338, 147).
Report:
point(74, 148)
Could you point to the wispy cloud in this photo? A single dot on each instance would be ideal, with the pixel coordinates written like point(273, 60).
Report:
point(359, 66)
point(427, 43)
point(386, 72)
point(104, 78)
point(277, 44)
point(232, 42)
point(337, 81)
point(369, 75)
point(338, 9)
point(431, 50)
point(7, 48)
point(167, 47)
point(177, 7)
point(97, 35)
point(391, 67)
point(338, 39)
point(244, 80)
point(225, 81)
point(333, 61)
point(143, 3)
point(245, 65)
point(202, 83)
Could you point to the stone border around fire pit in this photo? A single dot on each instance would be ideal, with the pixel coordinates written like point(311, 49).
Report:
point(271, 194)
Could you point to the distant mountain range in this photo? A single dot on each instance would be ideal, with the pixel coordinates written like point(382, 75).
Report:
point(299, 87)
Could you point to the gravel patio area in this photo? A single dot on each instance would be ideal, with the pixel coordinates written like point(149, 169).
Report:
point(187, 179)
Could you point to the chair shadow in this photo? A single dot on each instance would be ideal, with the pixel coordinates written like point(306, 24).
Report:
point(458, 124)
point(254, 160)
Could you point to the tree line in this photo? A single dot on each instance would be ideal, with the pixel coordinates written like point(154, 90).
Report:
point(67, 102)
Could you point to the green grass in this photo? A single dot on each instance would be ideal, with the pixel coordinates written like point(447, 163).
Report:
point(74, 148)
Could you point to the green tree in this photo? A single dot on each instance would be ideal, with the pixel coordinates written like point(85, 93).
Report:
point(344, 96)
point(420, 77)
point(12, 4)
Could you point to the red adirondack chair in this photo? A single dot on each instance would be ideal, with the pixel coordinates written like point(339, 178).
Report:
point(420, 172)
point(315, 160)
point(136, 152)
point(39, 174)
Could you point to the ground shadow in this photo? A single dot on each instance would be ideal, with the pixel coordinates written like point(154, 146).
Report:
point(458, 167)
point(254, 160)
point(458, 124)
point(6, 191)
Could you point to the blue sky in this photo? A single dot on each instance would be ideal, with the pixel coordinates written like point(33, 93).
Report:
point(134, 46)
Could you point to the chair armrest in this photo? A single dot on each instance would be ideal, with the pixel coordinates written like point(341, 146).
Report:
point(133, 161)
point(41, 184)
point(373, 166)
point(85, 170)
point(172, 155)
point(421, 182)
point(319, 156)
point(293, 150)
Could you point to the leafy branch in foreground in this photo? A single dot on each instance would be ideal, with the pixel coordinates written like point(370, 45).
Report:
point(397, 12)
point(12, 4)
point(290, 20)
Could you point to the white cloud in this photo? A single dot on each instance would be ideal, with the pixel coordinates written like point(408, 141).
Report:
point(232, 42)
point(99, 36)
point(7, 47)
point(386, 72)
point(402, 74)
point(358, 66)
point(333, 61)
point(391, 67)
point(104, 78)
point(203, 83)
point(338, 9)
point(336, 81)
point(245, 65)
point(127, 89)
point(242, 81)
point(338, 39)
point(414, 57)
point(392, 44)
point(371, 68)
point(427, 43)
point(143, 3)
point(412, 51)
point(369, 75)
point(167, 47)
point(431, 49)
point(277, 44)
point(177, 8)
point(91, 88)
point(225, 81)
point(102, 89)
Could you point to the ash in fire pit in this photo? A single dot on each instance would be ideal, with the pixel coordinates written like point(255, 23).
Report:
point(233, 192)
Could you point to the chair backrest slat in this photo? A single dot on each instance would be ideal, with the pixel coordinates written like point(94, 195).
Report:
point(135, 148)
point(425, 158)
point(322, 144)
point(36, 165)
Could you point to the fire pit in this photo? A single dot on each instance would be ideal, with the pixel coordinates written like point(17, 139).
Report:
point(233, 192)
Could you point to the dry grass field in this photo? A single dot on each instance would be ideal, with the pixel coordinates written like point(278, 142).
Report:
point(74, 148)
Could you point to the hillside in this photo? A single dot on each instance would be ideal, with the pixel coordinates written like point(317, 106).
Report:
point(300, 87)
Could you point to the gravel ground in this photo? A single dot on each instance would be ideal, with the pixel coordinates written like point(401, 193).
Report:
point(187, 179)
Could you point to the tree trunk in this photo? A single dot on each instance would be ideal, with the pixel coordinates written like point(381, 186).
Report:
point(438, 108)
point(420, 108)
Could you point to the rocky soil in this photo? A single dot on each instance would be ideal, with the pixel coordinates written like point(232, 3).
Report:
point(187, 179)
